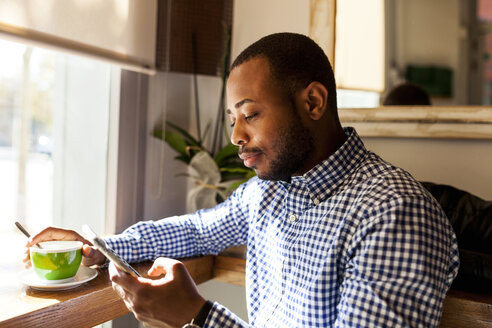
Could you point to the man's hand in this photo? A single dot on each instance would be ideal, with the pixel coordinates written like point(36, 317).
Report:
point(91, 255)
point(171, 300)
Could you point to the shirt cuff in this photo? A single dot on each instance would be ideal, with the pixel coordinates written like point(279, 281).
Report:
point(220, 316)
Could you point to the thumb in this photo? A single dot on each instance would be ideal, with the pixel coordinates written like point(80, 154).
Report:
point(87, 250)
point(92, 256)
point(162, 265)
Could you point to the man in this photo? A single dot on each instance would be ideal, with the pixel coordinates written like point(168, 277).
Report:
point(335, 236)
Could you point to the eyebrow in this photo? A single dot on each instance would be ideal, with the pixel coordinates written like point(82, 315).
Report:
point(240, 103)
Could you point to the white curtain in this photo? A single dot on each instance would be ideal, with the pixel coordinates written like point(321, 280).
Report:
point(119, 31)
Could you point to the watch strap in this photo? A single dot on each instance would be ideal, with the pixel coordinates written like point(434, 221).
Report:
point(201, 317)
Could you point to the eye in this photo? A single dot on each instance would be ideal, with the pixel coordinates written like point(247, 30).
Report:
point(250, 117)
point(232, 120)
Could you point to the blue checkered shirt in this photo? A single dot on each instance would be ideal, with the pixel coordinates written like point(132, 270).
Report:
point(355, 242)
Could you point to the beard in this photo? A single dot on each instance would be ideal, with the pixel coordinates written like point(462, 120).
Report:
point(293, 145)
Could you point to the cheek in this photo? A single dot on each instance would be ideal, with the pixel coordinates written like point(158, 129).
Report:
point(263, 134)
point(267, 132)
point(268, 139)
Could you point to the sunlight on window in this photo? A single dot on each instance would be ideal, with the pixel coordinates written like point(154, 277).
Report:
point(52, 171)
point(26, 166)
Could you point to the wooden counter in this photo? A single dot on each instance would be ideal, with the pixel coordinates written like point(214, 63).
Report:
point(95, 302)
point(90, 304)
point(467, 310)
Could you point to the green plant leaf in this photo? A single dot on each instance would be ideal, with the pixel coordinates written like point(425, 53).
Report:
point(235, 173)
point(183, 158)
point(250, 174)
point(240, 170)
point(226, 152)
point(157, 134)
point(188, 137)
point(176, 142)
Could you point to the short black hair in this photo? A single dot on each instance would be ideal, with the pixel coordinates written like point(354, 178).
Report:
point(407, 94)
point(295, 61)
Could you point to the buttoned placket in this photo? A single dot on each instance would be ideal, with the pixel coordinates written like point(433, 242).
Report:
point(292, 218)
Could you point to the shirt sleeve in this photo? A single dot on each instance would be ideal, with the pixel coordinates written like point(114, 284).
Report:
point(220, 316)
point(207, 231)
point(403, 260)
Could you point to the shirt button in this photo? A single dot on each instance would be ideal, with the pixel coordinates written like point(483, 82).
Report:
point(292, 218)
point(316, 201)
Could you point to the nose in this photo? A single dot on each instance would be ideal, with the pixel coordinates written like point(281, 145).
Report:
point(239, 135)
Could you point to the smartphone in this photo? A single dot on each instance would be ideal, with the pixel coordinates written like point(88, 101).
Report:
point(114, 257)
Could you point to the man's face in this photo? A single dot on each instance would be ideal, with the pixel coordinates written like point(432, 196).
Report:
point(266, 126)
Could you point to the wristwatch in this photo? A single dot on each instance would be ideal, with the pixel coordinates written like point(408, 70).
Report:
point(199, 320)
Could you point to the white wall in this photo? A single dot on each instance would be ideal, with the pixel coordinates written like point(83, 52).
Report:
point(169, 98)
point(254, 19)
point(464, 164)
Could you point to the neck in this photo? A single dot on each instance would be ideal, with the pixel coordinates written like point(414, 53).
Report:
point(330, 140)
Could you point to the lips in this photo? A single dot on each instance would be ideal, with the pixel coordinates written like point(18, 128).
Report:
point(249, 157)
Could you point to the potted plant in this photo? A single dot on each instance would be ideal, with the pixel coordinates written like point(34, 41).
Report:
point(216, 171)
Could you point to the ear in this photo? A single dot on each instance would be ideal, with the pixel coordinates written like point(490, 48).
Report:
point(315, 98)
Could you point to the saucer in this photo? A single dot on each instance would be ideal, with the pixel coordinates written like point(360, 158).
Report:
point(29, 278)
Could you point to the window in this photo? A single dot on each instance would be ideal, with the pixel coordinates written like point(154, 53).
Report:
point(54, 125)
point(360, 45)
point(357, 98)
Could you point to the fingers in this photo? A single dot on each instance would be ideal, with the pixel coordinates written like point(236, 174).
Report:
point(124, 285)
point(27, 259)
point(92, 256)
point(121, 278)
point(163, 265)
point(117, 278)
point(122, 293)
point(52, 233)
point(88, 251)
point(172, 299)
point(122, 282)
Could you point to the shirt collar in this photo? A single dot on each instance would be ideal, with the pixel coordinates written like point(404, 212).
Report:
point(323, 179)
